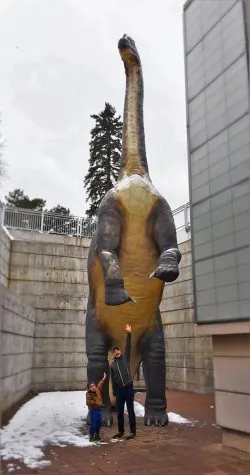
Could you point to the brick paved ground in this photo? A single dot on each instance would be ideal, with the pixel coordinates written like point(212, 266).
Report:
point(173, 450)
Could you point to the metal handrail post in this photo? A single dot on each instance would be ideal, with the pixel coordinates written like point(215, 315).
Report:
point(42, 221)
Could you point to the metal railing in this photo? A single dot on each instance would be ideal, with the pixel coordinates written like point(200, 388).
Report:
point(43, 222)
point(182, 222)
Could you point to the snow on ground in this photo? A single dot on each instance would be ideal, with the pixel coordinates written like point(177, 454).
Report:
point(177, 419)
point(51, 419)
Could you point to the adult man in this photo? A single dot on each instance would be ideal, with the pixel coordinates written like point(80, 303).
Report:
point(122, 384)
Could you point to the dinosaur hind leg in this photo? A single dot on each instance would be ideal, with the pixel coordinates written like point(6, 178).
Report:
point(97, 351)
point(155, 379)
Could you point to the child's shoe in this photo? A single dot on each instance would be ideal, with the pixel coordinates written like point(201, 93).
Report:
point(97, 437)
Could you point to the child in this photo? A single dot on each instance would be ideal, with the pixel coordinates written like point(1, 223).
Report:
point(94, 403)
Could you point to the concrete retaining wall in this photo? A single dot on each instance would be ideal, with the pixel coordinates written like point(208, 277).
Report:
point(17, 347)
point(189, 364)
point(5, 244)
point(52, 278)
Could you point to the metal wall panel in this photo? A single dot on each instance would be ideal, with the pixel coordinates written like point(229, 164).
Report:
point(218, 120)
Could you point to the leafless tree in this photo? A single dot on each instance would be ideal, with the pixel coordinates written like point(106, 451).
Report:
point(2, 163)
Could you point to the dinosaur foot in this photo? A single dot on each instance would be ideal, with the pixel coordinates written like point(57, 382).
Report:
point(155, 418)
point(107, 418)
point(88, 419)
point(116, 296)
point(168, 270)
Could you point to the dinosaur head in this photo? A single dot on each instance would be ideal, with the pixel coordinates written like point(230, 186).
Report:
point(128, 51)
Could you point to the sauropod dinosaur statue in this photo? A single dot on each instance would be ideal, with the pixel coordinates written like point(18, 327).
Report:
point(133, 252)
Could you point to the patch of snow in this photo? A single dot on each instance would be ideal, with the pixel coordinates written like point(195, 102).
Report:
point(139, 409)
point(177, 419)
point(10, 467)
point(129, 180)
point(49, 418)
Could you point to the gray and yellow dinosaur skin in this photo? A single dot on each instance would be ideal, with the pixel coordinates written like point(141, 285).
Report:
point(132, 254)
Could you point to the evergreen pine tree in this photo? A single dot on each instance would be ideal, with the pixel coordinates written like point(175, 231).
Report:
point(18, 199)
point(105, 157)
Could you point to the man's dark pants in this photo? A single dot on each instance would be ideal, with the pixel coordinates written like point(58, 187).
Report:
point(125, 394)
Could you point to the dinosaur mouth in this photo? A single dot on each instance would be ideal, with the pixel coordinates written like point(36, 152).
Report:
point(124, 45)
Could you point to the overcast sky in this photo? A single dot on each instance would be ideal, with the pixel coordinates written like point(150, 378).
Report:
point(59, 63)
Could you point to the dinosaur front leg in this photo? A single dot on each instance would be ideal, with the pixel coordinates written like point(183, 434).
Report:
point(97, 345)
point(115, 294)
point(164, 233)
point(108, 242)
point(155, 379)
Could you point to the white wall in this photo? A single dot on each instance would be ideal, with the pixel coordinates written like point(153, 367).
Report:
point(5, 244)
point(17, 347)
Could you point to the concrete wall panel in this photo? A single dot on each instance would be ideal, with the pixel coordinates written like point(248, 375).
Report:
point(232, 410)
point(17, 347)
point(188, 356)
point(5, 245)
point(228, 371)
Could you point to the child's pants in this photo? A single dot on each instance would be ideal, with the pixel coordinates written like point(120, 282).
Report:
point(95, 421)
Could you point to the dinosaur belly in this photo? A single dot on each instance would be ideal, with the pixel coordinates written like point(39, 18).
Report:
point(138, 256)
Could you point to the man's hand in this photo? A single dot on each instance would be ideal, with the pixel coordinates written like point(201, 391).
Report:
point(128, 328)
point(104, 376)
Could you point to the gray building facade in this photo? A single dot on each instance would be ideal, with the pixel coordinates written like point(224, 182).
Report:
point(216, 47)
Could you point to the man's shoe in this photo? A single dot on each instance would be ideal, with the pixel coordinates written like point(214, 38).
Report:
point(131, 436)
point(118, 436)
point(92, 438)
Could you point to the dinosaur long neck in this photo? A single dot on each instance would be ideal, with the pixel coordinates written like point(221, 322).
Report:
point(134, 158)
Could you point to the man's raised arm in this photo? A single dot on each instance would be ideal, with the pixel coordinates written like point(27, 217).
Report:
point(128, 343)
